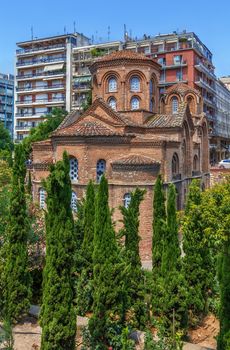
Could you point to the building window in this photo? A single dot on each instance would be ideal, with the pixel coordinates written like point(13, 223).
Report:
point(162, 61)
point(152, 105)
point(42, 198)
point(174, 105)
point(135, 84)
point(74, 202)
point(112, 103)
point(112, 84)
point(177, 59)
point(101, 165)
point(135, 103)
point(175, 165)
point(73, 171)
point(179, 75)
point(127, 200)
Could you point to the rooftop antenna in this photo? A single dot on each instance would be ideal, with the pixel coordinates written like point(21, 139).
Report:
point(74, 27)
point(125, 33)
point(109, 33)
point(64, 29)
point(32, 33)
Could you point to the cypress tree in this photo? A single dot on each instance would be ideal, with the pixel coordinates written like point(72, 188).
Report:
point(159, 225)
point(84, 294)
point(58, 319)
point(109, 272)
point(223, 341)
point(172, 297)
point(29, 184)
point(17, 291)
point(135, 275)
point(197, 261)
point(159, 228)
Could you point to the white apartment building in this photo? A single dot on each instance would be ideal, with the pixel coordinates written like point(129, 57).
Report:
point(43, 79)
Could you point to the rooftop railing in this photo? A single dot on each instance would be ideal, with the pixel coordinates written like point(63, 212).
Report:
point(41, 48)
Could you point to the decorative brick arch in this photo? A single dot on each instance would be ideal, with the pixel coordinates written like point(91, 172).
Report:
point(186, 149)
point(105, 80)
point(192, 101)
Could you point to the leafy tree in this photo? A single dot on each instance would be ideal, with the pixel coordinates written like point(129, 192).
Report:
point(88, 102)
point(197, 261)
point(84, 290)
point(136, 308)
point(44, 129)
point(15, 275)
point(109, 277)
point(58, 319)
point(6, 144)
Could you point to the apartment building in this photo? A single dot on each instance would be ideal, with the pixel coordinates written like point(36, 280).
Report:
point(7, 101)
point(43, 79)
point(83, 57)
point(226, 81)
point(220, 140)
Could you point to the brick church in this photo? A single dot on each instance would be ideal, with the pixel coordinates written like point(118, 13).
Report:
point(130, 134)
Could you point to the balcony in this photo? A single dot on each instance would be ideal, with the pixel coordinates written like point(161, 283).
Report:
point(41, 74)
point(202, 68)
point(41, 48)
point(31, 115)
point(37, 88)
point(25, 127)
point(168, 83)
point(40, 61)
point(174, 65)
point(200, 82)
point(41, 101)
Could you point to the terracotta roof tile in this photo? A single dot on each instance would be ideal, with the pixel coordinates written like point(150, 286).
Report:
point(169, 120)
point(87, 128)
point(181, 88)
point(135, 159)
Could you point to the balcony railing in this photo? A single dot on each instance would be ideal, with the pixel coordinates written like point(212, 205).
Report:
point(200, 66)
point(200, 81)
point(174, 65)
point(40, 74)
point(45, 87)
point(58, 99)
point(31, 114)
point(41, 60)
point(42, 48)
point(24, 127)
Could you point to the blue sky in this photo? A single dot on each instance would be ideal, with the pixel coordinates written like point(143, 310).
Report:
point(209, 19)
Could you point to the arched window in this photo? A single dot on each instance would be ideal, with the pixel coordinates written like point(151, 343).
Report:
point(112, 103)
point(127, 200)
point(101, 165)
point(174, 105)
point(152, 105)
point(42, 198)
point(112, 83)
point(196, 166)
point(191, 104)
point(175, 165)
point(74, 201)
point(135, 103)
point(73, 171)
point(135, 84)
